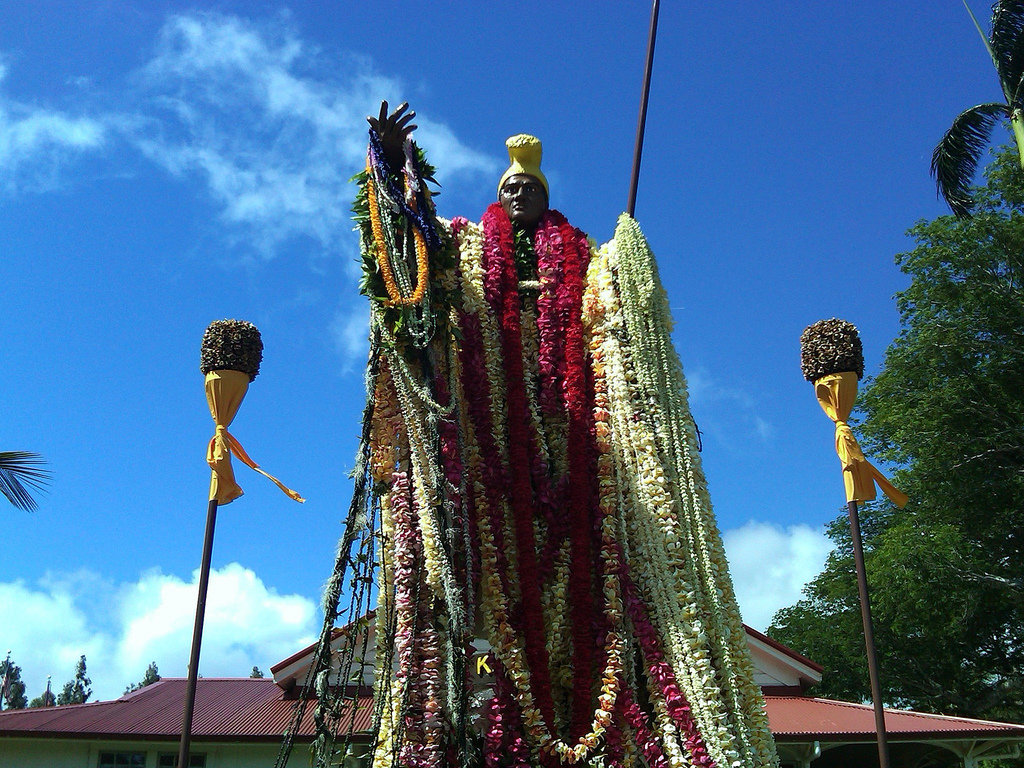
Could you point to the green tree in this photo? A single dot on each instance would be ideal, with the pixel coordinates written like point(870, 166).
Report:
point(256, 672)
point(152, 675)
point(947, 572)
point(956, 157)
point(79, 689)
point(13, 687)
point(21, 471)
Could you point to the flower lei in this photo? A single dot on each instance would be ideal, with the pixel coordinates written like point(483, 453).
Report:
point(536, 469)
point(395, 297)
point(561, 250)
point(680, 573)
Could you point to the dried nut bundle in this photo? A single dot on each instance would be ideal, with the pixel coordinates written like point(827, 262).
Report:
point(830, 346)
point(232, 345)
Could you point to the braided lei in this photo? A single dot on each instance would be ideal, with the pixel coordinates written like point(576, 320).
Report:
point(534, 481)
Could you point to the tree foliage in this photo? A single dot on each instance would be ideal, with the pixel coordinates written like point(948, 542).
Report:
point(20, 473)
point(256, 673)
point(151, 676)
point(77, 690)
point(13, 687)
point(947, 409)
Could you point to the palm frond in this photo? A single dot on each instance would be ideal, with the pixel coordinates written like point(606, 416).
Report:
point(20, 471)
point(1008, 43)
point(984, 37)
point(955, 159)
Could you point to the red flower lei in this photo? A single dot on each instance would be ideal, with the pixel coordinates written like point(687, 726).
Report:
point(524, 483)
point(501, 287)
point(660, 673)
point(577, 400)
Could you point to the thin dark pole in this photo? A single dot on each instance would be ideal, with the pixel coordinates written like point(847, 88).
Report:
point(869, 635)
point(197, 636)
point(642, 121)
point(7, 676)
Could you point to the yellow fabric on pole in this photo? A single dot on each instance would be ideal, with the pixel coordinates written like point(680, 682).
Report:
point(225, 391)
point(836, 394)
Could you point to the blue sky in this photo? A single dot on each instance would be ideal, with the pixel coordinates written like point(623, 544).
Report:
point(164, 164)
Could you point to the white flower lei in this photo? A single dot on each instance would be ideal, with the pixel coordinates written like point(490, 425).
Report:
point(670, 515)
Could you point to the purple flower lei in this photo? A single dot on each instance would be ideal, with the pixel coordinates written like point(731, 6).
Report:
point(423, 218)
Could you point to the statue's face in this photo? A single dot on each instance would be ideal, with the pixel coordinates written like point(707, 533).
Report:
point(524, 199)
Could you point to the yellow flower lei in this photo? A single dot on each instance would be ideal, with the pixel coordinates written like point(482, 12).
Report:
point(383, 680)
point(395, 298)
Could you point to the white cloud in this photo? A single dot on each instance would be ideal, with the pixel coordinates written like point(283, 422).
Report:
point(247, 115)
point(274, 130)
point(771, 565)
point(271, 127)
point(122, 627)
point(35, 143)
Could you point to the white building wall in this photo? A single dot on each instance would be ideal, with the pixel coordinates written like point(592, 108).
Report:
point(84, 753)
point(44, 753)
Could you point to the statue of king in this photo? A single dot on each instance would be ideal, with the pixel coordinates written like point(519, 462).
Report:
point(551, 585)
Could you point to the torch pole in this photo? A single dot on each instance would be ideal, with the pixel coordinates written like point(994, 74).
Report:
point(869, 635)
point(197, 636)
point(642, 120)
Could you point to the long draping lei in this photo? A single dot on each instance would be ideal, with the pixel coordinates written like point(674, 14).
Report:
point(537, 484)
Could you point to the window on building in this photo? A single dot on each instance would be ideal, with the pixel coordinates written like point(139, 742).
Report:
point(122, 760)
point(170, 760)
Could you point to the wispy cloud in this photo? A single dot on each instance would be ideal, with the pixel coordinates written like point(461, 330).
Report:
point(273, 129)
point(122, 627)
point(726, 408)
point(350, 331)
point(36, 143)
point(264, 128)
point(770, 566)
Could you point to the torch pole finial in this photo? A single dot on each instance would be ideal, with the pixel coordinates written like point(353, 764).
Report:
point(831, 346)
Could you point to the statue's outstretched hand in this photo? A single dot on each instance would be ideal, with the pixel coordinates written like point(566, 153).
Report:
point(393, 130)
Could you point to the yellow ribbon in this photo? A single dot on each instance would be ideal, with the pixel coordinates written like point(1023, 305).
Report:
point(836, 394)
point(225, 391)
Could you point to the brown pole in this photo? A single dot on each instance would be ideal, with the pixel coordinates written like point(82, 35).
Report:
point(197, 636)
point(642, 121)
point(869, 635)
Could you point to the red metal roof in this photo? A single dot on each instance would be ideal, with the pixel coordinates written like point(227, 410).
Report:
point(235, 708)
point(799, 718)
point(247, 709)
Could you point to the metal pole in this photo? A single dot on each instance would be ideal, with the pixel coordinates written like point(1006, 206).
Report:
point(869, 635)
point(642, 121)
point(7, 676)
point(197, 636)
